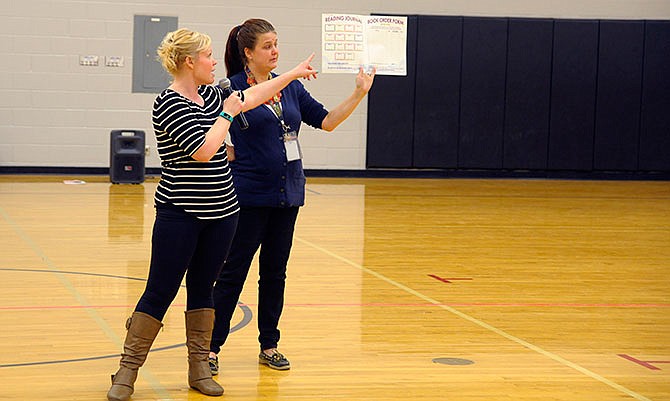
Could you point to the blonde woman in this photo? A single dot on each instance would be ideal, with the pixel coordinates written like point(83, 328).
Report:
point(195, 201)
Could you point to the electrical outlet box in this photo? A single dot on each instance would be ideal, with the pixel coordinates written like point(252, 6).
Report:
point(114, 61)
point(89, 61)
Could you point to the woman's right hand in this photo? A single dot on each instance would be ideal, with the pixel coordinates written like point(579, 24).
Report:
point(304, 69)
point(233, 104)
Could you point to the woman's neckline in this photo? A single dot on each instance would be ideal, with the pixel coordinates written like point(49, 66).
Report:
point(188, 98)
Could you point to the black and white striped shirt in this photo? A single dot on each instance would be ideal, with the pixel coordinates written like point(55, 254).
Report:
point(204, 189)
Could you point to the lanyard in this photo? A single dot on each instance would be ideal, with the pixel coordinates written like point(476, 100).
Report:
point(276, 109)
point(274, 104)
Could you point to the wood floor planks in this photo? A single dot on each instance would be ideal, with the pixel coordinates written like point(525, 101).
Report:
point(553, 289)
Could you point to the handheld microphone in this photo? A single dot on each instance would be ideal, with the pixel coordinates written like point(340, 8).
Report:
point(225, 85)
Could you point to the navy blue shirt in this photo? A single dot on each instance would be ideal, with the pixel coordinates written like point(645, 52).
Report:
point(262, 175)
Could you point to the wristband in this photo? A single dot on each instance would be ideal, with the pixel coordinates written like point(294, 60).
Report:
point(226, 116)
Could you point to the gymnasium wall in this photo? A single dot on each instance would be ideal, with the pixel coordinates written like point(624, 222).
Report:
point(56, 113)
point(527, 94)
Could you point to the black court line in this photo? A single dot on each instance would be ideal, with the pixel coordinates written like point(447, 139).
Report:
point(246, 319)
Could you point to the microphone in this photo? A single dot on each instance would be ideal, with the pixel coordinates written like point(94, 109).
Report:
point(225, 85)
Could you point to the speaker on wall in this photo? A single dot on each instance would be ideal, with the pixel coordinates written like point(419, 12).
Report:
point(126, 157)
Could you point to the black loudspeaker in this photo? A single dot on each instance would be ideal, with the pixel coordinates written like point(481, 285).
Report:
point(126, 157)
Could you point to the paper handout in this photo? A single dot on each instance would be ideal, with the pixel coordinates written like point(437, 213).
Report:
point(350, 41)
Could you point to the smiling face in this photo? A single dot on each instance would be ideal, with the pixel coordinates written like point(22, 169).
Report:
point(265, 54)
point(203, 67)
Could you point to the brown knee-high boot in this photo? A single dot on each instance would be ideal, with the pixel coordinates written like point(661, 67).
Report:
point(199, 325)
point(142, 330)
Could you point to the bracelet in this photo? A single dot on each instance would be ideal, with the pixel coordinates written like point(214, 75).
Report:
point(226, 116)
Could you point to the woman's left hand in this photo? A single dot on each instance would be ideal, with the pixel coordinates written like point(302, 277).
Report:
point(364, 80)
point(305, 70)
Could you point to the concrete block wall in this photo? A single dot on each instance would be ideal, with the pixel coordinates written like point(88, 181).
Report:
point(57, 113)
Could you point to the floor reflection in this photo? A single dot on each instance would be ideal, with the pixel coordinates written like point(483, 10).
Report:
point(126, 212)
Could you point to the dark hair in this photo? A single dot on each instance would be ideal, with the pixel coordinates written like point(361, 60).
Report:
point(241, 37)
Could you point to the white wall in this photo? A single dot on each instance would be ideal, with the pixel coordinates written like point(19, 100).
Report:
point(56, 113)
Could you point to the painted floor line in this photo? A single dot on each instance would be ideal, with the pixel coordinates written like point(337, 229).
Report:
point(146, 373)
point(361, 305)
point(482, 324)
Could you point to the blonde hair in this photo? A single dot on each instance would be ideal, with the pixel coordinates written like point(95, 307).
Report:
point(179, 44)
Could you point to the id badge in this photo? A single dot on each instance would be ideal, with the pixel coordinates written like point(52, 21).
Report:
point(292, 146)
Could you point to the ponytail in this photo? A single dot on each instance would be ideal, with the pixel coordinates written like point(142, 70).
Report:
point(243, 37)
point(233, 56)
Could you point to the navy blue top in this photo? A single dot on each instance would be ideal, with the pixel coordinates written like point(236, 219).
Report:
point(262, 175)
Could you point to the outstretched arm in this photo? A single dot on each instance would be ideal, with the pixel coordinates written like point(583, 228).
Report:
point(258, 94)
point(343, 110)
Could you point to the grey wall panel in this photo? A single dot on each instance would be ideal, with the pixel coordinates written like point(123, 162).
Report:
point(437, 102)
point(655, 125)
point(618, 100)
point(149, 76)
point(528, 93)
point(573, 95)
point(482, 92)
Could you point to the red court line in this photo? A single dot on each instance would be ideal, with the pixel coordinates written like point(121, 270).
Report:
point(47, 307)
point(646, 364)
point(447, 280)
point(348, 305)
point(562, 305)
point(482, 304)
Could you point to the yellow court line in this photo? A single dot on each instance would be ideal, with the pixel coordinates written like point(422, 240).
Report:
point(145, 372)
point(480, 323)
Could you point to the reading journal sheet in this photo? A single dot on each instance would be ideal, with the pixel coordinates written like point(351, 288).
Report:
point(350, 41)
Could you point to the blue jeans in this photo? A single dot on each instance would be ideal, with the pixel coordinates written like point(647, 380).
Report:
point(183, 244)
point(271, 228)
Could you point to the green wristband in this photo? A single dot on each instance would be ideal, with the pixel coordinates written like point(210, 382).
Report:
point(226, 116)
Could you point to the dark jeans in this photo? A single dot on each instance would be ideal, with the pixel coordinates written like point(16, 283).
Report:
point(183, 244)
point(272, 229)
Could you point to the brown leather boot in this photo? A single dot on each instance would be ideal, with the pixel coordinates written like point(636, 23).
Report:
point(142, 330)
point(199, 325)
